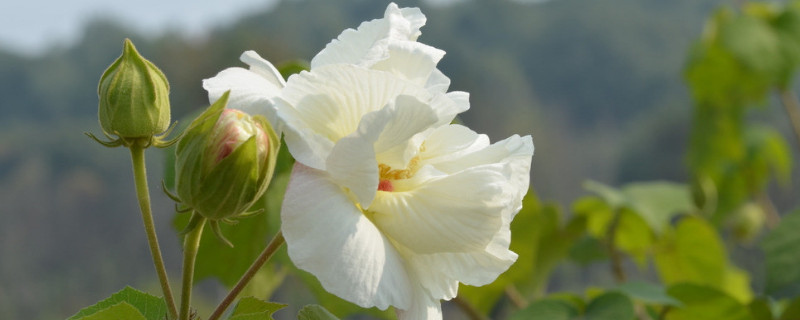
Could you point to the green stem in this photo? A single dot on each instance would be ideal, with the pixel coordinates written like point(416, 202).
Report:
point(516, 297)
point(792, 107)
point(190, 245)
point(469, 309)
point(143, 194)
point(614, 254)
point(271, 248)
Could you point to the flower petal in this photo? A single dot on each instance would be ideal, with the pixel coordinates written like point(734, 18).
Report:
point(515, 151)
point(249, 91)
point(329, 102)
point(413, 61)
point(263, 68)
point(252, 91)
point(352, 161)
point(422, 307)
point(328, 236)
point(454, 213)
point(359, 46)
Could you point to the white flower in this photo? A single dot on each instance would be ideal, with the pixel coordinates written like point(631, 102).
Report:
point(388, 204)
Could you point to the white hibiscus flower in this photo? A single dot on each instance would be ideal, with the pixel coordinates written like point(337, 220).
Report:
point(388, 204)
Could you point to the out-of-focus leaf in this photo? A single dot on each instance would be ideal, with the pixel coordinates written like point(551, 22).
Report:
point(753, 43)
point(119, 311)
point(792, 311)
point(148, 306)
point(695, 254)
point(760, 309)
point(315, 312)
point(736, 283)
point(767, 152)
point(648, 293)
point(291, 67)
point(633, 236)
point(546, 309)
point(610, 306)
point(782, 259)
point(250, 308)
point(597, 212)
point(587, 250)
point(703, 302)
point(655, 202)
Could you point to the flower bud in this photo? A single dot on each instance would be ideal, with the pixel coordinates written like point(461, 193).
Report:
point(224, 161)
point(134, 97)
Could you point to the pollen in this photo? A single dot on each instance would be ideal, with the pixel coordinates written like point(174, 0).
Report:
point(385, 185)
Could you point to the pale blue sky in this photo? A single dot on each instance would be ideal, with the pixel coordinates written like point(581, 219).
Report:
point(30, 26)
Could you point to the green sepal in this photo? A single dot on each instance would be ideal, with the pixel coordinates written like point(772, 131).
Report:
point(194, 221)
point(218, 233)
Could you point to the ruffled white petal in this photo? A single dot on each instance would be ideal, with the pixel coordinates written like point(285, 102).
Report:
point(252, 90)
point(328, 236)
point(249, 91)
point(329, 102)
point(454, 213)
point(352, 161)
point(454, 148)
point(360, 46)
point(423, 306)
point(263, 68)
point(410, 60)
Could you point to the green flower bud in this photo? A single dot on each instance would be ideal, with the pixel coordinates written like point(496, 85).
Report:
point(134, 97)
point(224, 161)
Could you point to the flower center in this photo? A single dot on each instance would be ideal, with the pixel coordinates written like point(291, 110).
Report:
point(387, 175)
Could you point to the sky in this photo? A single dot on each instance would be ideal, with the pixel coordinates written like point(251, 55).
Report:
point(32, 26)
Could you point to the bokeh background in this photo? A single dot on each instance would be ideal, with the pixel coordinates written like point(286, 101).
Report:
point(598, 84)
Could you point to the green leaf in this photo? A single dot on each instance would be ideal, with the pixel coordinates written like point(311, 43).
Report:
point(610, 306)
point(588, 250)
point(655, 202)
point(703, 302)
point(251, 308)
point(648, 293)
point(546, 309)
point(291, 67)
point(760, 309)
point(792, 311)
point(767, 152)
point(658, 202)
point(119, 311)
point(781, 252)
point(633, 236)
point(315, 312)
point(148, 306)
point(692, 253)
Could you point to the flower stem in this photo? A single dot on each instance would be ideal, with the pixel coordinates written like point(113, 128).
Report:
point(792, 107)
point(616, 256)
point(516, 297)
point(271, 248)
point(469, 309)
point(190, 245)
point(143, 194)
